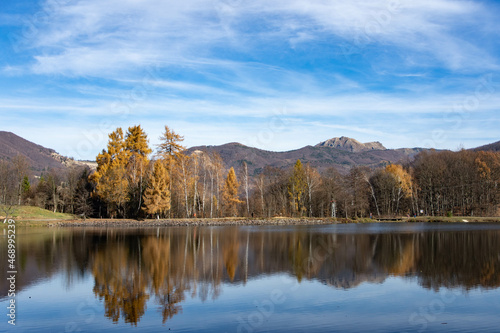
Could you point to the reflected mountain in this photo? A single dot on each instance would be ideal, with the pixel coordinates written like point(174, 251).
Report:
point(131, 267)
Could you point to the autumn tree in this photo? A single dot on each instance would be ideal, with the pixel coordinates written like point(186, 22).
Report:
point(487, 175)
point(157, 194)
point(171, 151)
point(136, 144)
point(403, 182)
point(296, 188)
point(463, 182)
point(230, 194)
point(111, 173)
point(170, 145)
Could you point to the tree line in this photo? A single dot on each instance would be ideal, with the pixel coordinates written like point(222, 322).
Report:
point(60, 190)
point(133, 181)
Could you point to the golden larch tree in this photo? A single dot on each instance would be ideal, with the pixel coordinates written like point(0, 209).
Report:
point(136, 143)
point(230, 194)
point(111, 174)
point(170, 145)
point(157, 194)
point(171, 151)
point(297, 188)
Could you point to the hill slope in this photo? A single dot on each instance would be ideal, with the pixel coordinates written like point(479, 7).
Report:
point(38, 156)
point(491, 147)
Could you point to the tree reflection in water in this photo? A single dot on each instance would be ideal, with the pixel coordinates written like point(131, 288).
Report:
point(132, 266)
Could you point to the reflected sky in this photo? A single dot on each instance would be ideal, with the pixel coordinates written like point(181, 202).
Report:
point(372, 278)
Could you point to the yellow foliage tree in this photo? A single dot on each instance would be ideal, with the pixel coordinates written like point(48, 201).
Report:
point(170, 145)
point(404, 185)
point(402, 176)
point(136, 144)
point(230, 194)
point(110, 176)
point(157, 194)
point(172, 152)
point(297, 188)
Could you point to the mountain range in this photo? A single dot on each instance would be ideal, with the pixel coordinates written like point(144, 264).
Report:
point(340, 152)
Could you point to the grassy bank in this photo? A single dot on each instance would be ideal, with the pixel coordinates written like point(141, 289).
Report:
point(24, 214)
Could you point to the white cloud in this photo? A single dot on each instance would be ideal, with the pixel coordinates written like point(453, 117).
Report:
point(107, 37)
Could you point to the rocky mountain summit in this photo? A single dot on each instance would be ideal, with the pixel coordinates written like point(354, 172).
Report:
point(352, 145)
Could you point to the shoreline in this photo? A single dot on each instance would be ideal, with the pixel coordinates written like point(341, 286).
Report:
point(180, 222)
point(241, 221)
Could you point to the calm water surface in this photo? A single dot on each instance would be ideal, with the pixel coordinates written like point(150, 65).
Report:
point(340, 278)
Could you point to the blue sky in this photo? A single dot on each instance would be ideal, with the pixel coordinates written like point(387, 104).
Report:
point(276, 74)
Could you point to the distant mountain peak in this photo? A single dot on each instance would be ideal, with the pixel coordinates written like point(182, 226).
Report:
point(352, 145)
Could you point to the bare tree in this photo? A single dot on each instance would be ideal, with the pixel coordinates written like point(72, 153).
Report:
point(21, 169)
point(312, 179)
point(245, 185)
point(261, 185)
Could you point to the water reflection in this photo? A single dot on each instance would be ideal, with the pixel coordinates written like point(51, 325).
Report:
point(132, 267)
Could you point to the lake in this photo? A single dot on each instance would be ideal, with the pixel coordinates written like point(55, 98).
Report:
point(380, 277)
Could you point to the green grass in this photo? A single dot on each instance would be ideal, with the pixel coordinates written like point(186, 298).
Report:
point(29, 213)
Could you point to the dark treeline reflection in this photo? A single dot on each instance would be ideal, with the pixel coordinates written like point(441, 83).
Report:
point(132, 267)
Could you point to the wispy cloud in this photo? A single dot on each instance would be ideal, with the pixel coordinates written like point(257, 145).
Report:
point(222, 70)
point(99, 38)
